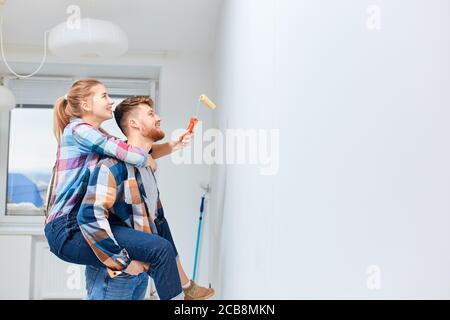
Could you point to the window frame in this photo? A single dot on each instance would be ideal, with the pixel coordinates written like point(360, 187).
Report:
point(32, 224)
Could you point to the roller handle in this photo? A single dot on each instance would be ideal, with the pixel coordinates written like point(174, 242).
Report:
point(190, 128)
point(192, 123)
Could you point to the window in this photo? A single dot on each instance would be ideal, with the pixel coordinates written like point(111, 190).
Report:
point(31, 145)
point(32, 148)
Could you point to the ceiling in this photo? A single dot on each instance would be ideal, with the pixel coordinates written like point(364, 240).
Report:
point(151, 25)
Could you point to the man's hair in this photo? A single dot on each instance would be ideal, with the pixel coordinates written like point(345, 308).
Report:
point(126, 107)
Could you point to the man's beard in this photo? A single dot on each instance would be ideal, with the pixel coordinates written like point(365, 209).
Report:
point(155, 134)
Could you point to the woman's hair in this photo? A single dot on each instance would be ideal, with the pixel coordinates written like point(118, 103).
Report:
point(70, 105)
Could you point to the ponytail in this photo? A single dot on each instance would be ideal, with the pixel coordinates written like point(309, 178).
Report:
point(60, 117)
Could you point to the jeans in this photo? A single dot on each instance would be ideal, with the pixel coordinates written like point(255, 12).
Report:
point(99, 286)
point(70, 245)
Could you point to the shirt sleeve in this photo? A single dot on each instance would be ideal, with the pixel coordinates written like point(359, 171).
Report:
point(93, 219)
point(50, 195)
point(90, 139)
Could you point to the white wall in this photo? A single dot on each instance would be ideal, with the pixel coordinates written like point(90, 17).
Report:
point(183, 78)
point(182, 81)
point(15, 264)
point(364, 150)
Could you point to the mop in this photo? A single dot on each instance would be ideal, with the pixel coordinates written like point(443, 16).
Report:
point(199, 230)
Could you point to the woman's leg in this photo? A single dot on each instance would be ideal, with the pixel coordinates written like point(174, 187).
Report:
point(190, 288)
point(164, 231)
point(69, 245)
point(156, 251)
point(153, 249)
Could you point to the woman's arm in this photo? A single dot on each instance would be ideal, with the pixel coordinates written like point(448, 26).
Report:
point(90, 139)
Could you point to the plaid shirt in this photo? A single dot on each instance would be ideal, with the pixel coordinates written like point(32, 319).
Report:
point(79, 151)
point(115, 195)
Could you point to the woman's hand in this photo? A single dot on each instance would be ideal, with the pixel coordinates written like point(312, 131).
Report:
point(136, 267)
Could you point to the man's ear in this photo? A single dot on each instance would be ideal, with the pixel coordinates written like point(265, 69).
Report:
point(132, 123)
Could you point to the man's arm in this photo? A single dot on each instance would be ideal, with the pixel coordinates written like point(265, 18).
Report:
point(161, 150)
point(93, 219)
point(164, 149)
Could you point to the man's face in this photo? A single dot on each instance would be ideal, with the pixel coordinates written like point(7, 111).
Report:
point(149, 123)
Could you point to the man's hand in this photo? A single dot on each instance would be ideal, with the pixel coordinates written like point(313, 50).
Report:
point(182, 141)
point(136, 267)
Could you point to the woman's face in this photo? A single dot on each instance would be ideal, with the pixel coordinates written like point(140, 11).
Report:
point(101, 104)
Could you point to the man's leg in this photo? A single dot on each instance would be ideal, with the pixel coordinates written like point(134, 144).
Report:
point(156, 251)
point(183, 276)
point(192, 291)
point(100, 286)
point(141, 288)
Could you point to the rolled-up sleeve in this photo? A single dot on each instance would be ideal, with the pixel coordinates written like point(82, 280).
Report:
point(90, 139)
point(93, 219)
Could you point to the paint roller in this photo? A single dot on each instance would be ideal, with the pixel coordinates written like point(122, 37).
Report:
point(208, 103)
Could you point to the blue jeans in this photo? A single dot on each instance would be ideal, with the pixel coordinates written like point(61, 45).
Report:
point(68, 244)
point(99, 286)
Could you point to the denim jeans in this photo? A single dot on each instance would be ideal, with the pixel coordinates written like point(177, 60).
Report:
point(70, 245)
point(99, 286)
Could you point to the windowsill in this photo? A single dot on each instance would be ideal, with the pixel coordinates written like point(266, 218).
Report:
point(22, 225)
point(20, 212)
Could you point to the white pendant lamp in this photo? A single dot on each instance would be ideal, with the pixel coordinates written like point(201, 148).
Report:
point(92, 38)
point(7, 99)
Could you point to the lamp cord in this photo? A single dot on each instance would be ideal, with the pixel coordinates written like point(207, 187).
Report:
point(6, 62)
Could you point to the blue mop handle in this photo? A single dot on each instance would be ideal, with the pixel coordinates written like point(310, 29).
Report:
point(198, 237)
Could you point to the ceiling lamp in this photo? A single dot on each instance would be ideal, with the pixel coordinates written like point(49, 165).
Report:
point(93, 38)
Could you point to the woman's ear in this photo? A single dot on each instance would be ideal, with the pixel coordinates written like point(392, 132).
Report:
point(85, 106)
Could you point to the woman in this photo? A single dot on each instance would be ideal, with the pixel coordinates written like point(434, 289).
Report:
point(81, 143)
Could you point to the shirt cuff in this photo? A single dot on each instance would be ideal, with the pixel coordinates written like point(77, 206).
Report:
point(121, 261)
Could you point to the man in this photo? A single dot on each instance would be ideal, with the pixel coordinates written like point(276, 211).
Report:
point(121, 197)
